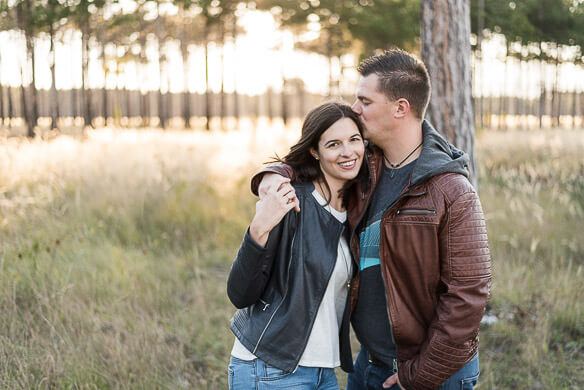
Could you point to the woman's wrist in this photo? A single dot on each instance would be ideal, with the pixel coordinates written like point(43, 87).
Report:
point(258, 233)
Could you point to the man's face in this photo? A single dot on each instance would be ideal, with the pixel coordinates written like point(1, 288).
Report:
point(374, 109)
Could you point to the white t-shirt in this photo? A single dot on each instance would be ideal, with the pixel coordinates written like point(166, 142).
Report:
point(322, 349)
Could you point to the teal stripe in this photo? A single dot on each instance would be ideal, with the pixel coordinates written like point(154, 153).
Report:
point(367, 262)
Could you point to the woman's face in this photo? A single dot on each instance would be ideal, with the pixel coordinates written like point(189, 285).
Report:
point(340, 152)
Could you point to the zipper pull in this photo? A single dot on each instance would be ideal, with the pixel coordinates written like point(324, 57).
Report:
point(266, 304)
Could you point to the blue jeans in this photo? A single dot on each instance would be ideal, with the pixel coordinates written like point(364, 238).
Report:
point(368, 376)
point(259, 375)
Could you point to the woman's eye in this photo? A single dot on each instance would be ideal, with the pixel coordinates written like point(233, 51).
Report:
point(332, 145)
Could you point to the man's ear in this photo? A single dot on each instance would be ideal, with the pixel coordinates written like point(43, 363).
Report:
point(403, 107)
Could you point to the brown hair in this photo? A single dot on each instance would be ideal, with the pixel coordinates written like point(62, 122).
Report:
point(401, 75)
point(316, 122)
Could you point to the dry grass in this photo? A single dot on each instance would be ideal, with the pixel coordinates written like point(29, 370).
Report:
point(114, 251)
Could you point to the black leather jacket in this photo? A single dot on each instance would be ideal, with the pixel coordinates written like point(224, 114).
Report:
point(278, 288)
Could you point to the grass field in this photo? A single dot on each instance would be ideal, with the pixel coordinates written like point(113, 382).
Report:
point(115, 247)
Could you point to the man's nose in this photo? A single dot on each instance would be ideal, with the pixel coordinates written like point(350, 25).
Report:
point(356, 107)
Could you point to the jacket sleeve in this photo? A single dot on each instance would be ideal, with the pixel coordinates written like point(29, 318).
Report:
point(279, 168)
point(465, 267)
point(251, 268)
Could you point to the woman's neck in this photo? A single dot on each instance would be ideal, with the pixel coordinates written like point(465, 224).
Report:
point(336, 202)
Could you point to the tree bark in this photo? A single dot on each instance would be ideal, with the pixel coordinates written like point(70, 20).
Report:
point(85, 92)
point(445, 34)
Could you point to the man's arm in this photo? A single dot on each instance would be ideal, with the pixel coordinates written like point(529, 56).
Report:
point(264, 179)
point(452, 338)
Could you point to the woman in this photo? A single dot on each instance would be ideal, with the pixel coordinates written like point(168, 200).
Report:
point(292, 271)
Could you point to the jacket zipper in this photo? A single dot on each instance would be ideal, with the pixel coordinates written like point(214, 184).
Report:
point(400, 197)
point(415, 211)
point(266, 304)
point(321, 297)
point(281, 301)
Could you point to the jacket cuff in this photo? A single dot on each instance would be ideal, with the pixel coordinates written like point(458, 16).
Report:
point(250, 247)
point(279, 168)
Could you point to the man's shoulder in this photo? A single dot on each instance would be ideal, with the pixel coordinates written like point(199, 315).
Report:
point(452, 185)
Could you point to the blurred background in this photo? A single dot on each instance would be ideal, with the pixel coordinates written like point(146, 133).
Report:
point(129, 130)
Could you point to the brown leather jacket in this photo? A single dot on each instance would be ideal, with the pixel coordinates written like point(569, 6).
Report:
point(434, 259)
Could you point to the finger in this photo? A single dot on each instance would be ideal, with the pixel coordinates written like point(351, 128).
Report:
point(281, 182)
point(296, 205)
point(390, 381)
point(284, 188)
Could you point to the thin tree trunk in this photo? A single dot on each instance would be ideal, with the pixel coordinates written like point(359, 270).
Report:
point(574, 107)
point(284, 103)
point(2, 116)
point(25, 111)
point(542, 93)
point(222, 92)
point(186, 101)
point(85, 91)
point(104, 97)
point(54, 101)
point(235, 96)
point(270, 96)
point(161, 113)
point(446, 53)
point(207, 90)
point(556, 98)
point(503, 99)
point(10, 106)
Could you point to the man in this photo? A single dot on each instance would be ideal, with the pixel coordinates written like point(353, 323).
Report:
point(418, 230)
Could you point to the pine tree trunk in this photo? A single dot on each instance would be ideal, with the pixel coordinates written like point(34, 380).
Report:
point(85, 92)
point(574, 108)
point(10, 106)
point(235, 96)
point(186, 103)
point(284, 103)
point(207, 89)
point(446, 53)
point(54, 101)
point(104, 100)
point(161, 113)
point(2, 116)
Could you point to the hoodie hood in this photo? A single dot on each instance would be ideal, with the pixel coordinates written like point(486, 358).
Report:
point(438, 156)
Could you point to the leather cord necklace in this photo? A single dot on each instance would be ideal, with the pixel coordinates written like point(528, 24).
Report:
point(399, 164)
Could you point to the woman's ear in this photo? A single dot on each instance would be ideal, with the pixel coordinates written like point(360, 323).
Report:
point(314, 153)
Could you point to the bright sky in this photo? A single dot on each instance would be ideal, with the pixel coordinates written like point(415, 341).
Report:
point(257, 60)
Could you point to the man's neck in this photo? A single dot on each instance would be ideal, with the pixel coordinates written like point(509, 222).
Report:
point(400, 142)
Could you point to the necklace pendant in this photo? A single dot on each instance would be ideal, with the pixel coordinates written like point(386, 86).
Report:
point(348, 284)
point(392, 173)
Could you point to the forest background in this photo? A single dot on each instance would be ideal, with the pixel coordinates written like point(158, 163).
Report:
point(124, 193)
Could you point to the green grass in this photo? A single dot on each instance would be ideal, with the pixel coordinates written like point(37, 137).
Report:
point(115, 248)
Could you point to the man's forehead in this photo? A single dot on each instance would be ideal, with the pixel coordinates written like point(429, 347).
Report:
point(368, 85)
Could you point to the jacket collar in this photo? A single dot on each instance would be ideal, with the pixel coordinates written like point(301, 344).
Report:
point(438, 156)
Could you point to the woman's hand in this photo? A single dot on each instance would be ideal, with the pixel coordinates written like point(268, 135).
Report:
point(270, 209)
